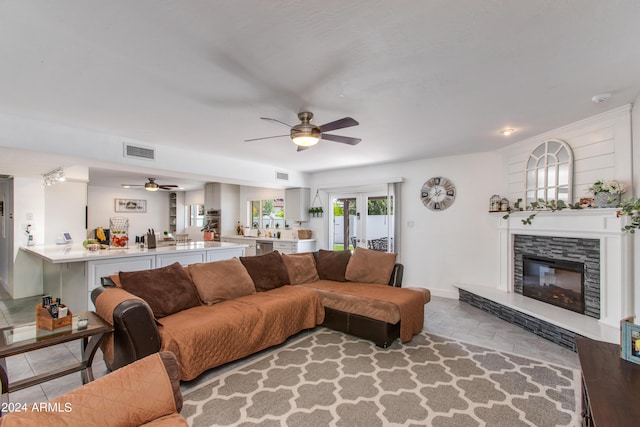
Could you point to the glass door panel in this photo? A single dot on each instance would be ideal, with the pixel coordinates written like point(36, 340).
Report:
point(362, 220)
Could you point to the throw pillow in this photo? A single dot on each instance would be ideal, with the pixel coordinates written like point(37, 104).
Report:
point(301, 268)
point(167, 290)
point(333, 264)
point(369, 266)
point(221, 280)
point(267, 271)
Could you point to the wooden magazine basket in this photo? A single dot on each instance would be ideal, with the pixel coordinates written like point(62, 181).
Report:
point(45, 321)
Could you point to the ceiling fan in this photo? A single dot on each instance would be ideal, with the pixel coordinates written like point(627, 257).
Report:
point(305, 134)
point(152, 185)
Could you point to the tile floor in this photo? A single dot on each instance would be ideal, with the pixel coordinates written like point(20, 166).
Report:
point(443, 316)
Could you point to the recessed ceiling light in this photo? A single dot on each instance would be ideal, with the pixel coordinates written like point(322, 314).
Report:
point(507, 132)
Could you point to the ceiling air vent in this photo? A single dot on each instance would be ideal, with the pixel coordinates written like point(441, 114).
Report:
point(282, 176)
point(139, 152)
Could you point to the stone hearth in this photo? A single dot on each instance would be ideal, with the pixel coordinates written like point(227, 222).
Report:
point(602, 227)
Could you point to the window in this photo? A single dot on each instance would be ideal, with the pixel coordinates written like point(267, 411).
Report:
point(195, 215)
point(549, 172)
point(267, 213)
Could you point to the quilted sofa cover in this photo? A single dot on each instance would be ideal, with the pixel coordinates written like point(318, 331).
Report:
point(144, 393)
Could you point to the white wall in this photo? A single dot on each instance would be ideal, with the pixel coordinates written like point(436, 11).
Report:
point(635, 131)
point(6, 230)
point(65, 207)
point(438, 249)
point(102, 207)
point(601, 148)
point(28, 208)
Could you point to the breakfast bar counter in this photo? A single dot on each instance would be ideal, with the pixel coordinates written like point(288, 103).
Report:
point(71, 272)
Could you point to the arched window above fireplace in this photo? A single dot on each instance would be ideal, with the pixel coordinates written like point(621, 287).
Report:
point(549, 172)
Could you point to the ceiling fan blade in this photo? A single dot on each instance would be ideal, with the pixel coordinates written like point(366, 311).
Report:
point(266, 137)
point(342, 139)
point(132, 185)
point(276, 120)
point(168, 187)
point(301, 148)
point(344, 122)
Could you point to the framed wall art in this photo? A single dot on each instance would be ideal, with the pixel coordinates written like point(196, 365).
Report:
point(131, 205)
point(630, 340)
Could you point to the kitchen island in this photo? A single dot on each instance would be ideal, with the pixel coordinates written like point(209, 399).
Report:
point(72, 272)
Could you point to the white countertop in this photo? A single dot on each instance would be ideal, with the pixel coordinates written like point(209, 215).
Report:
point(76, 253)
point(268, 239)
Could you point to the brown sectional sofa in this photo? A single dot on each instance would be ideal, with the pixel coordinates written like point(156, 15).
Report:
point(144, 393)
point(213, 313)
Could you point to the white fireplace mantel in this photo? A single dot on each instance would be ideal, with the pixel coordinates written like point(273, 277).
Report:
point(615, 251)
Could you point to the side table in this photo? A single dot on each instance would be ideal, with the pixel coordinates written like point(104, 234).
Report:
point(27, 337)
point(610, 385)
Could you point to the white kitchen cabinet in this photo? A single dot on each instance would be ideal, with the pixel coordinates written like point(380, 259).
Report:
point(185, 258)
point(294, 247)
point(106, 267)
point(226, 253)
point(250, 251)
point(296, 204)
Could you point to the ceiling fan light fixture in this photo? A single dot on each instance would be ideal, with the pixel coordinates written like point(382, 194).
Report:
point(151, 185)
point(305, 140)
point(507, 132)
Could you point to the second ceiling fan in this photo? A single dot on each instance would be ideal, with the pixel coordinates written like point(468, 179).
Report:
point(305, 134)
point(151, 185)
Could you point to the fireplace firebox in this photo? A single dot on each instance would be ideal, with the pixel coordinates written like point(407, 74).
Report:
point(557, 282)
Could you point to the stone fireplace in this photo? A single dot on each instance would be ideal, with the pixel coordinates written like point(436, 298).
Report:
point(590, 244)
point(561, 255)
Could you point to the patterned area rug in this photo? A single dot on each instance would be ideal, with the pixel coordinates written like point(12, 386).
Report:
point(327, 378)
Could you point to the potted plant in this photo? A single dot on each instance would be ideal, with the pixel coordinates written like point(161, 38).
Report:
point(606, 194)
point(316, 211)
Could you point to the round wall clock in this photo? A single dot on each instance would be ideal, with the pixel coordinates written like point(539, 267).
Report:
point(438, 193)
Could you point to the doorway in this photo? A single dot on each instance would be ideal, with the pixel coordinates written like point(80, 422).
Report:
point(362, 219)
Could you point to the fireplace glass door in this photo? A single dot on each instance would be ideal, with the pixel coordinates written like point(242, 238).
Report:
point(556, 282)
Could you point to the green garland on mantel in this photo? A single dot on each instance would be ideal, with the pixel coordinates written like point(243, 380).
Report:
point(630, 207)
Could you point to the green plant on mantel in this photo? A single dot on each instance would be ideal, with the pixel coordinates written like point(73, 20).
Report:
point(631, 208)
point(542, 205)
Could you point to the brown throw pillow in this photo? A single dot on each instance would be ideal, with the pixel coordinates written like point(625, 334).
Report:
point(267, 271)
point(369, 266)
point(167, 290)
point(221, 280)
point(301, 268)
point(333, 264)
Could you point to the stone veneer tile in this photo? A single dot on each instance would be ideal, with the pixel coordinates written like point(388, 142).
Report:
point(586, 251)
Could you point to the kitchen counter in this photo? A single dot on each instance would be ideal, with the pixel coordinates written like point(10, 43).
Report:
point(76, 253)
point(71, 272)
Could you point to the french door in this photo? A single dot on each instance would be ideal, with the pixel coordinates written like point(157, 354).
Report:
point(362, 219)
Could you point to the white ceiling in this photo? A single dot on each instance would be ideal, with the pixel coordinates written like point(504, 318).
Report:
point(423, 78)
